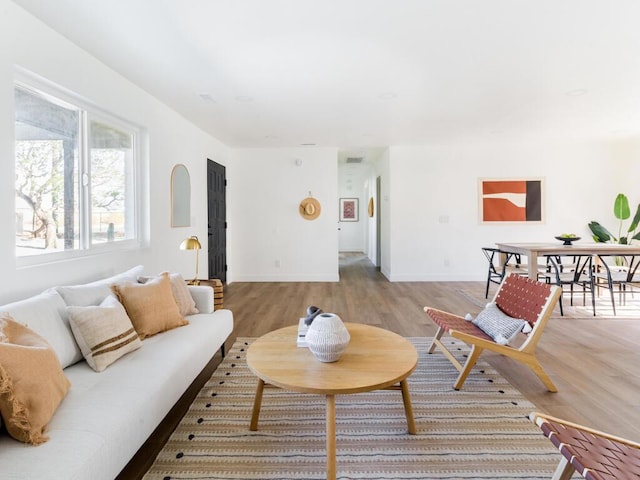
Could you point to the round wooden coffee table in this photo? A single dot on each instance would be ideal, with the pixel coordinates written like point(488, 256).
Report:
point(375, 359)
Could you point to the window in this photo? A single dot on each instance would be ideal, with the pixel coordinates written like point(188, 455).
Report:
point(75, 176)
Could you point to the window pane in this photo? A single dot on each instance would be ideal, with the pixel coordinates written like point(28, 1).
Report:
point(111, 156)
point(75, 175)
point(46, 137)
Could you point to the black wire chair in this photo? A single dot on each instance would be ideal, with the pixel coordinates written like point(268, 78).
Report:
point(498, 268)
point(578, 273)
point(620, 272)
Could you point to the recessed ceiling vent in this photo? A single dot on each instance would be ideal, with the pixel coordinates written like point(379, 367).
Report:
point(354, 160)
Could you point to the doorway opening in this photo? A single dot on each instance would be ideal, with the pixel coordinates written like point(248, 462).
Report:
point(358, 192)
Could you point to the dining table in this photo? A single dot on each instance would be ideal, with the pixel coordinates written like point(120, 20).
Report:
point(535, 250)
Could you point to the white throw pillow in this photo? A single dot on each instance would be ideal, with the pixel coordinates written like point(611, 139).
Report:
point(498, 325)
point(104, 333)
point(95, 292)
point(46, 315)
point(84, 295)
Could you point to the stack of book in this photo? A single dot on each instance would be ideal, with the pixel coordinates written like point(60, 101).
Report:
point(302, 332)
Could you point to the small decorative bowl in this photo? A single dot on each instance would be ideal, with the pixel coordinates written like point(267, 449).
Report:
point(568, 240)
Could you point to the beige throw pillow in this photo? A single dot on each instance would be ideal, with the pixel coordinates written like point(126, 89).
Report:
point(186, 304)
point(104, 333)
point(150, 306)
point(32, 383)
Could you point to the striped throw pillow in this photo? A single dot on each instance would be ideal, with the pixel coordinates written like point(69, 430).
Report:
point(104, 333)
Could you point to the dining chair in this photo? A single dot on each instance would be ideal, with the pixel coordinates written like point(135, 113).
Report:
point(571, 271)
point(620, 271)
point(500, 264)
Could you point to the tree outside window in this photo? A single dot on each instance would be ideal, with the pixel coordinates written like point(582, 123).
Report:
point(65, 199)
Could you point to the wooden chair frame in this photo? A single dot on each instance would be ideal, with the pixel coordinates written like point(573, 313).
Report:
point(593, 454)
point(518, 297)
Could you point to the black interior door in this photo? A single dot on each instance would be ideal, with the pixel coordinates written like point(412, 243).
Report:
point(217, 227)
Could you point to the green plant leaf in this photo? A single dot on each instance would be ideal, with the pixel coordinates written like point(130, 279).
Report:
point(636, 236)
point(621, 207)
point(635, 221)
point(600, 234)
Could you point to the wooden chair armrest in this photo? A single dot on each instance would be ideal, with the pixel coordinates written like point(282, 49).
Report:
point(426, 309)
point(455, 323)
point(483, 343)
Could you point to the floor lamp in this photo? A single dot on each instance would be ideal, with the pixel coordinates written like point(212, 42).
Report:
point(192, 243)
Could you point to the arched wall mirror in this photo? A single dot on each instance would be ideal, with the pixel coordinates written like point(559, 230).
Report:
point(180, 197)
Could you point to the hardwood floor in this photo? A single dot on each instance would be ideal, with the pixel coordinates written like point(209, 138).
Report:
point(594, 361)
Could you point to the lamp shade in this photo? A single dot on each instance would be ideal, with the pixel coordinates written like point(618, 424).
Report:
point(191, 243)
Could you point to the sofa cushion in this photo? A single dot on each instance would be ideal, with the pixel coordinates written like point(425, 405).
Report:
point(46, 315)
point(95, 292)
point(180, 289)
point(32, 383)
point(203, 297)
point(150, 306)
point(104, 333)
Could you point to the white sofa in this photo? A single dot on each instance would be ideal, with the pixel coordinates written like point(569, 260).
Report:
point(107, 416)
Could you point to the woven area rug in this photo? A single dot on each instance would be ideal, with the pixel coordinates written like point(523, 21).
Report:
point(479, 432)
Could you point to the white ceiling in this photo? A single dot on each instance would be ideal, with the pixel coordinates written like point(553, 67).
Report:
point(369, 73)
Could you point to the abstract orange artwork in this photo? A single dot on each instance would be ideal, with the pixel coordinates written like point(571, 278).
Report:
point(510, 200)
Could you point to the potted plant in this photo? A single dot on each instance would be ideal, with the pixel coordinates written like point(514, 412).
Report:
point(622, 212)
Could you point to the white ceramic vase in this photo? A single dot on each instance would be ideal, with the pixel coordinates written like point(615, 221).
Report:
point(327, 337)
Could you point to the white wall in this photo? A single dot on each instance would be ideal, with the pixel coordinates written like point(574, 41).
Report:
point(626, 153)
point(384, 171)
point(271, 241)
point(26, 42)
point(435, 232)
point(371, 192)
point(370, 227)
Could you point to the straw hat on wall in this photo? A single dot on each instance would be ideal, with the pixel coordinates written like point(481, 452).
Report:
point(310, 208)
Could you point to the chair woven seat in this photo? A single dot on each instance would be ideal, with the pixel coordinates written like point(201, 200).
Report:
point(450, 322)
point(594, 455)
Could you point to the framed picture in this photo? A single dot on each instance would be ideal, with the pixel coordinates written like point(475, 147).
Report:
point(514, 200)
point(348, 209)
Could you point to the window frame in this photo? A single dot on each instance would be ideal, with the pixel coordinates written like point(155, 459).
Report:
point(88, 111)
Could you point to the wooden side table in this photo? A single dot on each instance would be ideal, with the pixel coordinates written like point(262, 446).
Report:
point(218, 291)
